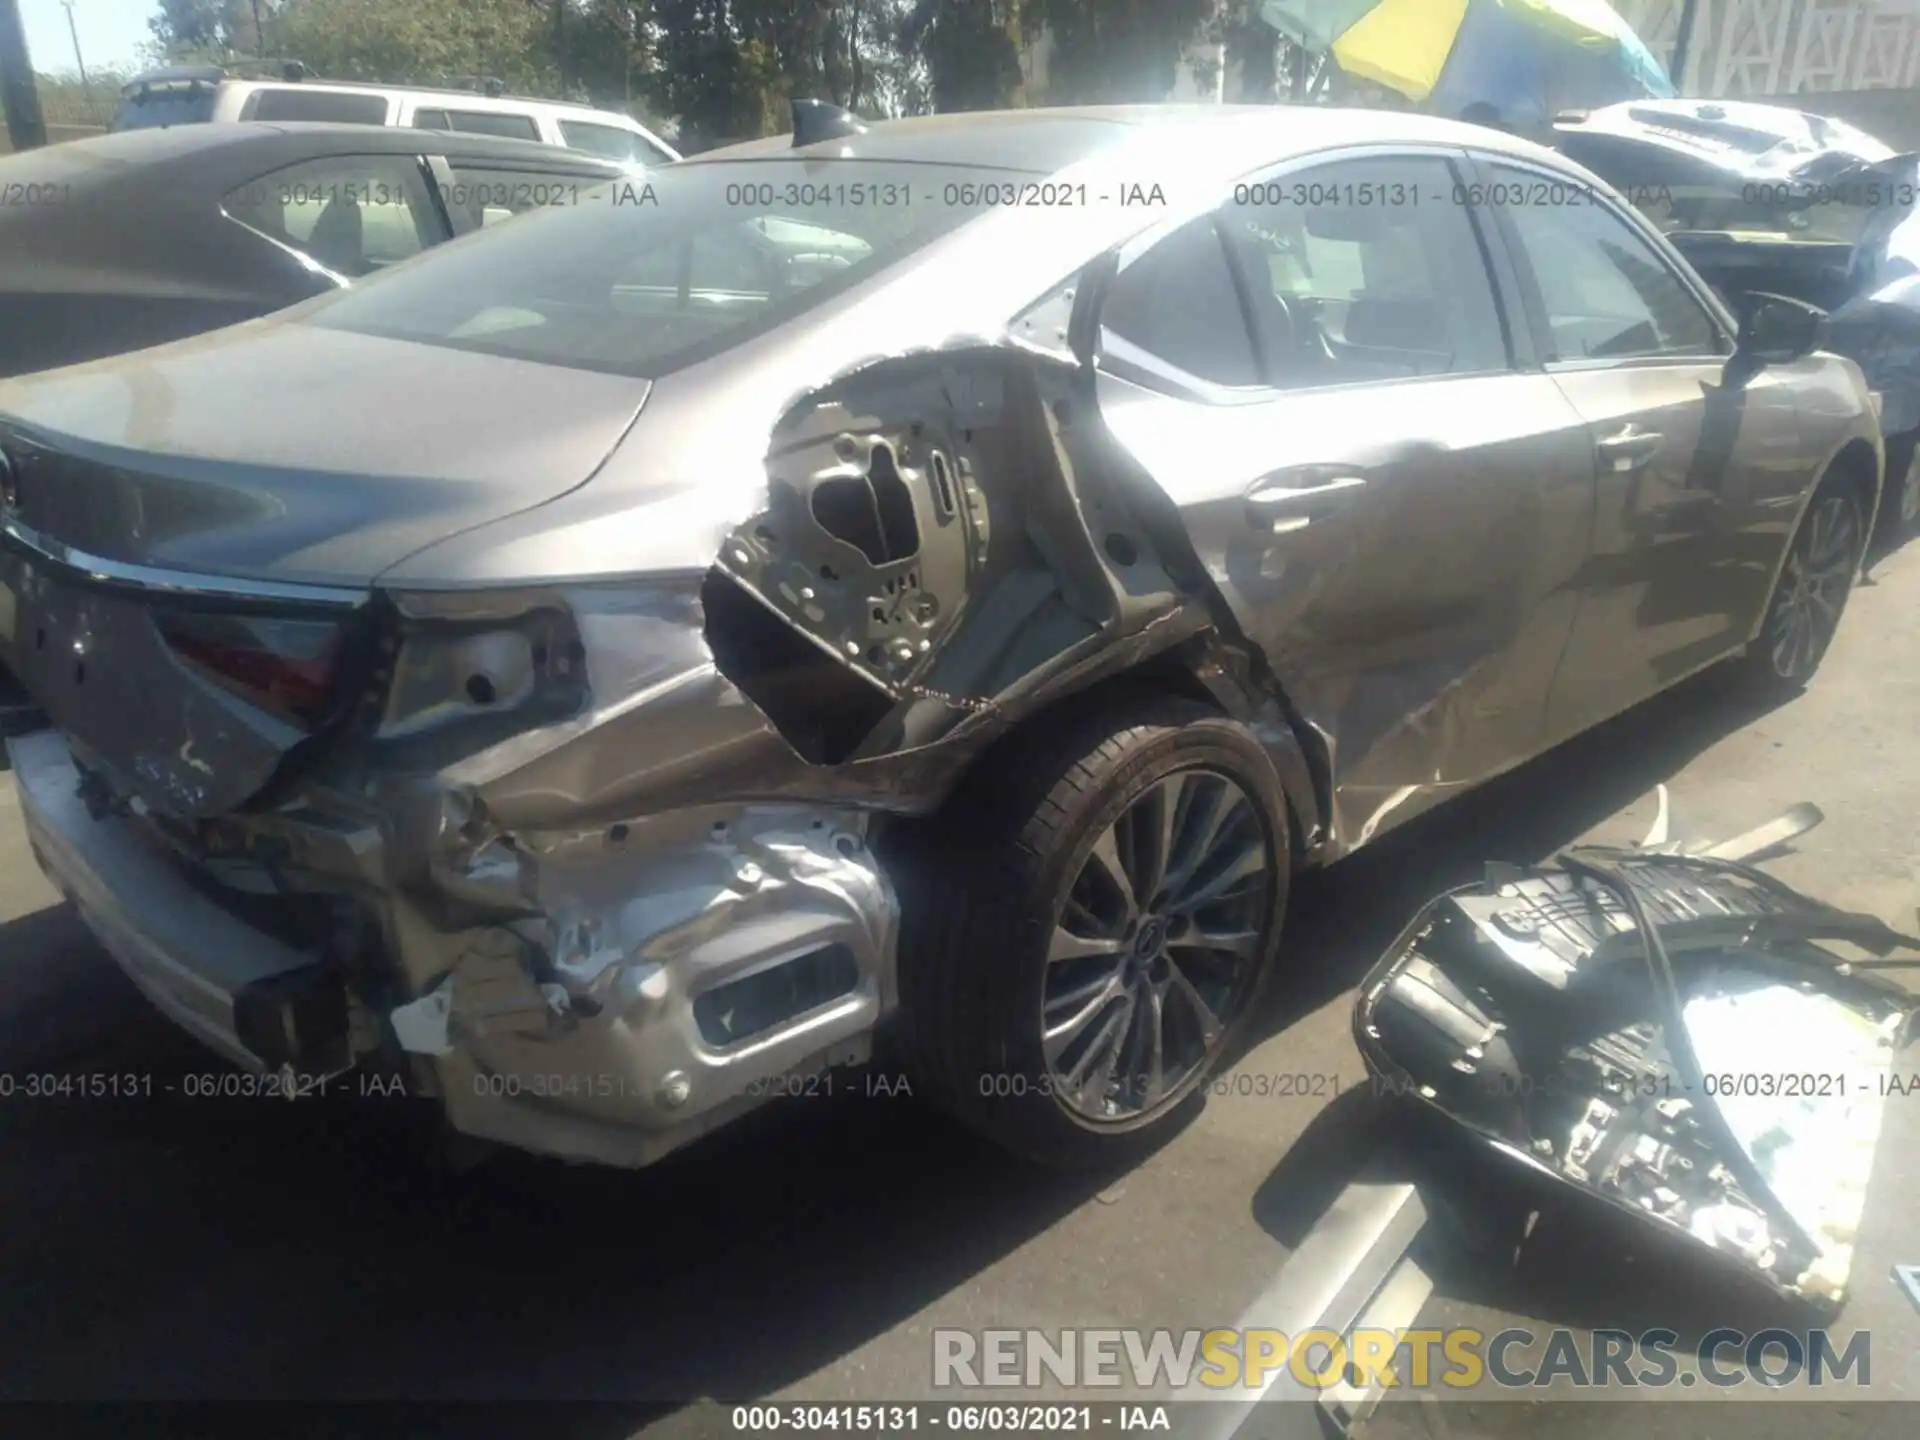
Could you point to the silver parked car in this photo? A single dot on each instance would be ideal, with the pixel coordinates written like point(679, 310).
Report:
point(931, 584)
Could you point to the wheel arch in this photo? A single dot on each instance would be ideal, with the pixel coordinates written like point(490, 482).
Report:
point(1208, 670)
point(1858, 464)
point(1861, 464)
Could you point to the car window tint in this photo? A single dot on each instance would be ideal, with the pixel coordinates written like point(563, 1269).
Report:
point(1607, 294)
point(606, 140)
point(355, 214)
point(1365, 270)
point(648, 153)
point(488, 122)
point(431, 120)
point(751, 262)
point(645, 284)
point(295, 104)
point(1177, 302)
point(165, 105)
point(490, 194)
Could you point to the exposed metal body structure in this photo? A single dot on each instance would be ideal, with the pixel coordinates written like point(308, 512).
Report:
point(626, 676)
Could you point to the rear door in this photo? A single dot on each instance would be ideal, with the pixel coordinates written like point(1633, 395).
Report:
point(1393, 499)
point(1693, 469)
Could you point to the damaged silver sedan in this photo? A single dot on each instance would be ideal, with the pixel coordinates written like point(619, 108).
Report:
point(928, 585)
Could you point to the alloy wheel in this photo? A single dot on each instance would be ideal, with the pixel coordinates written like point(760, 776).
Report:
point(1156, 948)
point(1814, 586)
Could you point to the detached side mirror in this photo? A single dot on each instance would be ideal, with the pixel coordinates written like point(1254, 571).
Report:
point(1777, 330)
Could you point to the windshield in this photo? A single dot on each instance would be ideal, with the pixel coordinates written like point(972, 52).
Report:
point(172, 105)
point(644, 276)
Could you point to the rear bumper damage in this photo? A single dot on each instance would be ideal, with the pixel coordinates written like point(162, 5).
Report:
point(674, 975)
point(592, 863)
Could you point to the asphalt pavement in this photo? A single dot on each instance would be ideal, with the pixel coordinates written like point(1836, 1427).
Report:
point(164, 1245)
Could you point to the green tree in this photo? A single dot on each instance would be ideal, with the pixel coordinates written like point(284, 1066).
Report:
point(1110, 51)
point(211, 29)
point(971, 49)
point(422, 41)
point(720, 79)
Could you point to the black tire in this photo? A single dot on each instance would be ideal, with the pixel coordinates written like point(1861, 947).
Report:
point(1823, 560)
point(985, 883)
point(1900, 502)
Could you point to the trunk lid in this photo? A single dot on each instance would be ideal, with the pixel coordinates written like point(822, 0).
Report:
point(193, 532)
point(278, 451)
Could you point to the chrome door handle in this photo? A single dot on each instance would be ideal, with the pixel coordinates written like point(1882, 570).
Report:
point(1629, 447)
point(1290, 499)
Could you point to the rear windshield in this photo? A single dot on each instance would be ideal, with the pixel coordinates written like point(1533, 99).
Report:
point(174, 105)
point(645, 276)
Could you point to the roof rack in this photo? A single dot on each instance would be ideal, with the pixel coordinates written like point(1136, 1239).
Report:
point(291, 71)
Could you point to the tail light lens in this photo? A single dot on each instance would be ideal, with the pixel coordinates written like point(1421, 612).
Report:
point(289, 667)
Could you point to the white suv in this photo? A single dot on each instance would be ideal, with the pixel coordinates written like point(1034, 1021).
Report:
point(194, 94)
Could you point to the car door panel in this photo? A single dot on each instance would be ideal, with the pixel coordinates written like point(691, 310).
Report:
point(1691, 455)
point(1688, 470)
point(1413, 582)
point(1397, 516)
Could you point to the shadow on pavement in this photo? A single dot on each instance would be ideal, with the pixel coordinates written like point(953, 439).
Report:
point(1583, 1266)
point(172, 1246)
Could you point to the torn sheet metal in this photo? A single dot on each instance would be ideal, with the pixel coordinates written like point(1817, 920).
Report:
point(663, 972)
point(930, 528)
point(1739, 1105)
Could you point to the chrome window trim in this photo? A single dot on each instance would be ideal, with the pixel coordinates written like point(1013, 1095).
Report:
point(180, 584)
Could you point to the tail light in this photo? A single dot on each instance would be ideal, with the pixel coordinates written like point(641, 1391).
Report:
point(289, 667)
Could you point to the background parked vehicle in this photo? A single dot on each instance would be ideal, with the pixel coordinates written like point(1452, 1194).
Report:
point(1766, 199)
point(128, 240)
point(123, 241)
point(183, 95)
point(627, 664)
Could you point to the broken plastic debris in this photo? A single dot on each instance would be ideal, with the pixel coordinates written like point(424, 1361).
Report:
point(421, 1025)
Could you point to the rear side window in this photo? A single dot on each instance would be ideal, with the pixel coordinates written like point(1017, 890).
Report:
point(289, 103)
point(355, 214)
point(490, 195)
point(1365, 270)
point(611, 142)
point(1177, 303)
point(172, 105)
point(478, 122)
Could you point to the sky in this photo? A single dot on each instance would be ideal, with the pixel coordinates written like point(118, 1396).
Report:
point(111, 33)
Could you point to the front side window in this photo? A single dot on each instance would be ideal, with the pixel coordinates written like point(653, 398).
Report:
point(292, 103)
point(1177, 303)
point(644, 277)
point(1365, 270)
point(355, 214)
point(1606, 293)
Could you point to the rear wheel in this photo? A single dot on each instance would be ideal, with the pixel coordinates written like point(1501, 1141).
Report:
point(1088, 930)
point(1812, 591)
